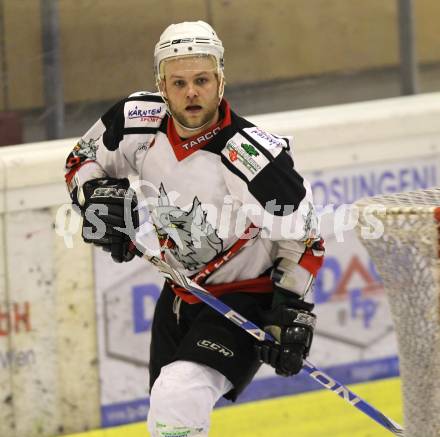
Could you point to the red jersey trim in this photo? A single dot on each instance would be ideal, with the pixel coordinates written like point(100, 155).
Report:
point(258, 285)
point(69, 176)
point(311, 261)
point(184, 148)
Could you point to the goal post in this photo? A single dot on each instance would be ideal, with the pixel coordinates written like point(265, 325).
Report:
point(401, 234)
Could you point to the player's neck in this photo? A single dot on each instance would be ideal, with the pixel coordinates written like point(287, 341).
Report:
point(186, 133)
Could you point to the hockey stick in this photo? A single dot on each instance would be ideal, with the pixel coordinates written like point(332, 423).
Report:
point(318, 375)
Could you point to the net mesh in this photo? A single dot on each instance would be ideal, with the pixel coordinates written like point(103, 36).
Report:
point(407, 258)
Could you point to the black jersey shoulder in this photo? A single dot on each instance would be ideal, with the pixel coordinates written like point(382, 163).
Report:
point(256, 136)
point(139, 113)
point(263, 162)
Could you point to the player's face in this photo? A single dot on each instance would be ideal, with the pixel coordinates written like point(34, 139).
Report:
point(191, 87)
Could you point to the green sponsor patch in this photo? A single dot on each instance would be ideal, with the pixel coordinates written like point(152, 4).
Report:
point(250, 149)
point(236, 154)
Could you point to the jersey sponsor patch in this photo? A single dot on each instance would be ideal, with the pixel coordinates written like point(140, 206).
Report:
point(143, 114)
point(267, 140)
point(244, 156)
point(201, 140)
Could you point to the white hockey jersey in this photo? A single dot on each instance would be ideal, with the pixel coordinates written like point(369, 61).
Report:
point(204, 192)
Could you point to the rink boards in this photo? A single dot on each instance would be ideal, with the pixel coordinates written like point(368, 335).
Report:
point(75, 328)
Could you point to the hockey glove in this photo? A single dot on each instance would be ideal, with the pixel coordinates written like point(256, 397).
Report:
point(109, 209)
point(290, 321)
point(292, 329)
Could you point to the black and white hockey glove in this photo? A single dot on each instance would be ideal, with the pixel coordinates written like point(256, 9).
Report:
point(109, 209)
point(290, 321)
point(292, 329)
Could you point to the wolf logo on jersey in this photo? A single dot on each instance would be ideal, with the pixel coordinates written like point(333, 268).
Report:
point(191, 239)
point(310, 225)
point(82, 151)
point(86, 149)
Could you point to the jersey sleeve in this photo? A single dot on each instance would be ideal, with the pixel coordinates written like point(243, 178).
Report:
point(108, 148)
point(259, 173)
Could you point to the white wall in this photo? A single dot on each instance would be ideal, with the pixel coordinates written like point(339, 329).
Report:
point(48, 361)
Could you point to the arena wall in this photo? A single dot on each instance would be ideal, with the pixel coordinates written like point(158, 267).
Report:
point(107, 45)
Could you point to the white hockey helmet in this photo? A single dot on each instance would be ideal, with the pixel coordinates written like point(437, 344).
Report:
point(185, 39)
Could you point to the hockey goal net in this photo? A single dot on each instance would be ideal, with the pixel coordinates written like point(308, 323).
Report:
point(406, 254)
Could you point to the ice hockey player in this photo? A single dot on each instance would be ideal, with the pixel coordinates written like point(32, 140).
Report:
point(229, 210)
